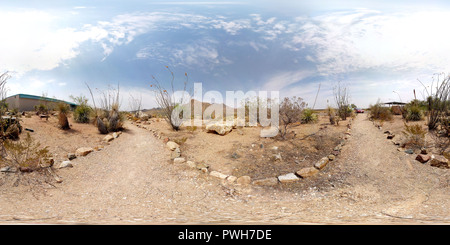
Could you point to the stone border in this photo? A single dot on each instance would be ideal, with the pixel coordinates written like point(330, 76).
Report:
point(246, 180)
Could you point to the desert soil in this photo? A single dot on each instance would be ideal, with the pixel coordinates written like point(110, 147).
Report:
point(131, 181)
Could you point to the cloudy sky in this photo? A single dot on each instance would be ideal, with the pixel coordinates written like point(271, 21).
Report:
point(379, 49)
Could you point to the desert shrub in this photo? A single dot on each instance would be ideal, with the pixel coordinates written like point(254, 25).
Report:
point(63, 112)
point(415, 135)
point(437, 101)
point(380, 112)
point(167, 102)
point(108, 117)
point(41, 109)
point(341, 97)
point(413, 113)
point(82, 113)
point(24, 154)
point(309, 116)
point(290, 112)
point(333, 117)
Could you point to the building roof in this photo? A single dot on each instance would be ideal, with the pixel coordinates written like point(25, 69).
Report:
point(394, 103)
point(29, 96)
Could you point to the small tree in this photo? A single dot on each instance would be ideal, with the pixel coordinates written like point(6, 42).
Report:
point(291, 111)
point(166, 101)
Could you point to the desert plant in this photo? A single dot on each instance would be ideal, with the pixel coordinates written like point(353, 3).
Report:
point(290, 112)
point(309, 116)
point(63, 113)
point(331, 112)
point(25, 154)
point(170, 107)
point(82, 112)
point(107, 118)
point(379, 112)
point(415, 135)
point(413, 113)
point(341, 97)
point(437, 100)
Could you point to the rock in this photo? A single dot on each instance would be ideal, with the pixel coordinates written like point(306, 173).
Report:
point(47, 162)
point(235, 155)
point(83, 151)
point(277, 157)
point(8, 169)
point(391, 136)
point(266, 182)
point(25, 169)
point(71, 156)
point(338, 148)
point(268, 133)
point(220, 128)
point(231, 179)
point(172, 145)
point(244, 180)
point(288, 178)
point(65, 164)
point(201, 166)
point(176, 153)
point(274, 148)
point(423, 151)
point(218, 175)
point(307, 172)
point(108, 138)
point(331, 157)
point(179, 160)
point(423, 158)
point(321, 163)
point(191, 164)
point(115, 135)
point(439, 161)
point(409, 151)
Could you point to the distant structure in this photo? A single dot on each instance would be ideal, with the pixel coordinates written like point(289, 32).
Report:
point(394, 103)
point(26, 102)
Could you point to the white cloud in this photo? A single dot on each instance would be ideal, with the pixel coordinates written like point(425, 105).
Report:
point(31, 41)
point(364, 39)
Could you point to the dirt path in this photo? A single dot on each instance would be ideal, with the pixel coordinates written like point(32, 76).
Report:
point(131, 181)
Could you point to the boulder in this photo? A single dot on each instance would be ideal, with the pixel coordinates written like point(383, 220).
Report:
point(176, 153)
point(219, 128)
point(331, 157)
point(423, 158)
point(172, 145)
point(218, 175)
point(108, 138)
point(307, 172)
point(179, 160)
point(71, 156)
point(244, 180)
point(231, 179)
point(321, 163)
point(65, 164)
point(288, 178)
point(191, 164)
point(439, 162)
point(83, 151)
point(266, 182)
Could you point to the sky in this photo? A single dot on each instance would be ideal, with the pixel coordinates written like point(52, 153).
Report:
point(379, 50)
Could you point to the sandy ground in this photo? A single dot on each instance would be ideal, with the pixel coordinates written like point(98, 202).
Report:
point(131, 181)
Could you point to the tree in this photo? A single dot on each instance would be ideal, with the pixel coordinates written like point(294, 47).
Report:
point(291, 111)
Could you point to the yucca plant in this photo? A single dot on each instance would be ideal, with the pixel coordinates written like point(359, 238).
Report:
point(63, 112)
point(309, 116)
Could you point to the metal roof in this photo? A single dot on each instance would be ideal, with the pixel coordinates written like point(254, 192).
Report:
point(29, 96)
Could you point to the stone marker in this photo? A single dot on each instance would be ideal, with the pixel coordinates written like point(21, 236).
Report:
point(321, 163)
point(218, 175)
point(83, 151)
point(307, 172)
point(267, 181)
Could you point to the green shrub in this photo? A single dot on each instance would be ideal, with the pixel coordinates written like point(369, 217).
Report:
point(380, 112)
point(309, 116)
point(414, 113)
